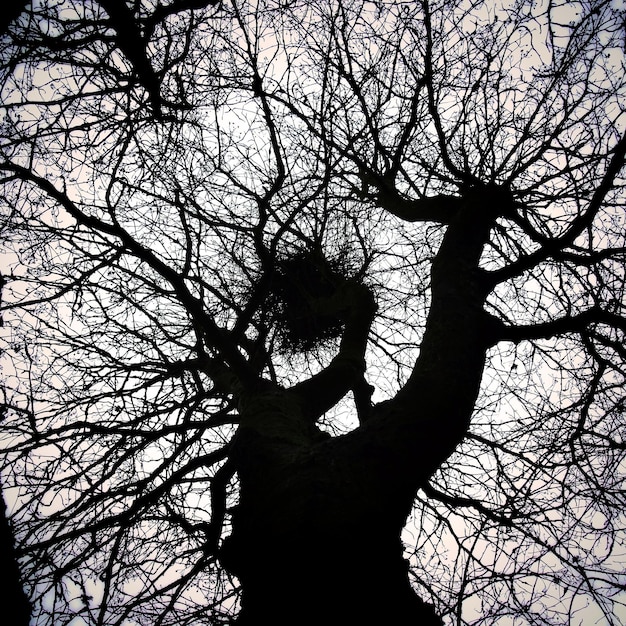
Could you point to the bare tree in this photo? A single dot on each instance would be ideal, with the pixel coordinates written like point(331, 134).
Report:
point(314, 312)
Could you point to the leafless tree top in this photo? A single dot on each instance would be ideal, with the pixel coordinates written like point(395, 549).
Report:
point(167, 165)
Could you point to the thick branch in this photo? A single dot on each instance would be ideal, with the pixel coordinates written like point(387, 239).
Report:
point(413, 433)
point(345, 372)
point(132, 43)
point(561, 326)
point(439, 209)
point(178, 6)
point(11, 11)
point(218, 491)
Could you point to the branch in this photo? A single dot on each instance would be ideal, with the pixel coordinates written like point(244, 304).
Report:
point(553, 247)
point(11, 11)
point(440, 208)
point(147, 492)
point(459, 174)
point(345, 372)
point(215, 336)
point(219, 493)
point(561, 326)
point(460, 501)
point(132, 43)
point(178, 6)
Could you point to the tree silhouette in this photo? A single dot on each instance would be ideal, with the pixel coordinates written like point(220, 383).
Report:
point(314, 312)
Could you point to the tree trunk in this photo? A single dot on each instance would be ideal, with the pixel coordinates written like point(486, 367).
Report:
point(12, 596)
point(316, 536)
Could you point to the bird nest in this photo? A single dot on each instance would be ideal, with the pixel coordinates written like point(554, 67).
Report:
point(303, 302)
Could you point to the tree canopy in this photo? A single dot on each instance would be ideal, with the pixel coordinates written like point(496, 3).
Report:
point(404, 223)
